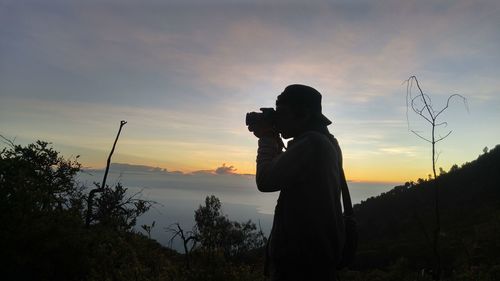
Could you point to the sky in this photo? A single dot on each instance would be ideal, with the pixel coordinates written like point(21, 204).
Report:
point(183, 74)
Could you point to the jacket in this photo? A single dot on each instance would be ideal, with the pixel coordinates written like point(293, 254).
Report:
point(308, 228)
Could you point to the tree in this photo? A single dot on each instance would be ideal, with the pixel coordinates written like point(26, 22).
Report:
point(213, 234)
point(188, 237)
point(216, 232)
point(40, 203)
point(116, 210)
point(485, 150)
point(211, 225)
point(36, 179)
point(102, 187)
point(42, 219)
point(421, 104)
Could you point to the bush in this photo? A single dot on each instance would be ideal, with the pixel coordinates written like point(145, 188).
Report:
point(43, 235)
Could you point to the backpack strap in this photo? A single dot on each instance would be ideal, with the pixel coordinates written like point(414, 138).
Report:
point(346, 197)
point(344, 190)
point(351, 232)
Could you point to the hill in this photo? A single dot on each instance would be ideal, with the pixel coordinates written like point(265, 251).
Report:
point(397, 226)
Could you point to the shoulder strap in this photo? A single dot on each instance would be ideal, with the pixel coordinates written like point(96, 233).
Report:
point(346, 197)
point(344, 190)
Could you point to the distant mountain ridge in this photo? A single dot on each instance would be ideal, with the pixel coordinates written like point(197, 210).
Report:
point(135, 168)
point(398, 224)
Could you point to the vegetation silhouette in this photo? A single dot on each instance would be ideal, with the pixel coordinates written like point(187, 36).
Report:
point(101, 188)
point(215, 241)
point(421, 104)
point(390, 236)
point(42, 214)
point(43, 233)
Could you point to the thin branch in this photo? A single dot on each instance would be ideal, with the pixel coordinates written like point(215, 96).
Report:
point(176, 232)
point(441, 124)
point(421, 136)
point(90, 198)
point(437, 156)
point(442, 138)
point(195, 239)
point(122, 123)
point(422, 93)
point(414, 102)
point(7, 141)
point(407, 88)
point(448, 103)
point(171, 240)
point(132, 198)
point(419, 112)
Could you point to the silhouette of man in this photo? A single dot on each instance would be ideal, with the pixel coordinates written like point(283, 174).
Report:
point(307, 237)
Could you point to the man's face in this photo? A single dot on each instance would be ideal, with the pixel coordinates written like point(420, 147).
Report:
point(288, 123)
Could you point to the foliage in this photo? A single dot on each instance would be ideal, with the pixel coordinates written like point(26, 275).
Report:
point(116, 210)
point(34, 179)
point(215, 232)
point(221, 249)
point(43, 234)
point(393, 225)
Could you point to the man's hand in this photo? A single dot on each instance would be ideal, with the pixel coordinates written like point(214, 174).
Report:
point(262, 130)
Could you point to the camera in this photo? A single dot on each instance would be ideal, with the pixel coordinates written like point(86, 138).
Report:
point(256, 119)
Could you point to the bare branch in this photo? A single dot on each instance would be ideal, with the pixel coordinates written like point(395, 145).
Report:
point(421, 136)
point(448, 103)
point(90, 198)
point(423, 111)
point(176, 232)
point(428, 104)
point(423, 95)
point(419, 111)
point(122, 123)
point(442, 138)
point(407, 91)
point(442, 123)
point(8, 141)
point(437, 156)
point(410, 100)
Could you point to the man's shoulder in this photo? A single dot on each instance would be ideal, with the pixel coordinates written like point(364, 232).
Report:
point(316, 141)
point(317, 138)
point(321, 143)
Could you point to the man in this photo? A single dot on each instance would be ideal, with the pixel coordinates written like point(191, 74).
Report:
point(308, 233)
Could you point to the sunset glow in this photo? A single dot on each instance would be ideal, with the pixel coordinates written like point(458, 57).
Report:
point(184, 73)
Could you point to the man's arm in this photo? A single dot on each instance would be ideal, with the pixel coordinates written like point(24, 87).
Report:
point(276, 169)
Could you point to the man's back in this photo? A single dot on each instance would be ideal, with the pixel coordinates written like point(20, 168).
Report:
point(308, 231)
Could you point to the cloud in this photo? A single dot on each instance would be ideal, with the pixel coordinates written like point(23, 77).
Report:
point(358, 52)
point(198, 182)
point(225, 170)
point(134, 168)
point(184, 74)
point(408, 151)
point(220, 171)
